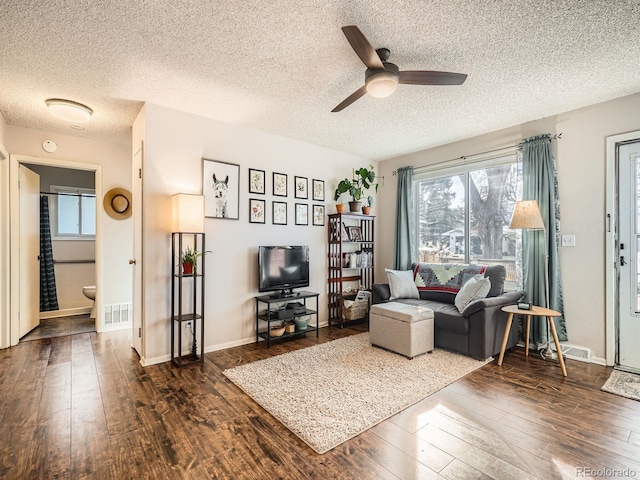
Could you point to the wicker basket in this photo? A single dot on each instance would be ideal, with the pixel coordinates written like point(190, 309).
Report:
point(276, 331)
point(358, 309)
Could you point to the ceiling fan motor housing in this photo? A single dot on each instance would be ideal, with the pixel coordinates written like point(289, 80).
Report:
point(382, 83)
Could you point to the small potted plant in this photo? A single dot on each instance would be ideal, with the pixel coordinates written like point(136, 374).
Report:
point(364, 178)
point(189, 260)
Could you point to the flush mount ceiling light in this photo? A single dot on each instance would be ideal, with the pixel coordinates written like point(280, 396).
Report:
point(68, 110)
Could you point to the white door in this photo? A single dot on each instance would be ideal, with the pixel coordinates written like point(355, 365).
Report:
point(136, 261)
point(29, 188)
point(629, 258)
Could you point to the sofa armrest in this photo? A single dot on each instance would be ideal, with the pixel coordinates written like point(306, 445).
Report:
point(381, 293)
point(508, 298)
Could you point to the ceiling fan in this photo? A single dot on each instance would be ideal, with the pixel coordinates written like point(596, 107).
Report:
point(382, 77)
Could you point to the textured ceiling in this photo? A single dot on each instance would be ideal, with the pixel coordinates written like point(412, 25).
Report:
point(281, 66)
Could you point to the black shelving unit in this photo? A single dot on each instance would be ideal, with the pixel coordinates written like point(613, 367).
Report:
point(342, 277)
point(269, 316)
point(194, 303)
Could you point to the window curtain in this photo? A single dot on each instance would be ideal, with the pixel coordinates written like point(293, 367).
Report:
point(403, 237)
point(540, 182)
point(48, 294)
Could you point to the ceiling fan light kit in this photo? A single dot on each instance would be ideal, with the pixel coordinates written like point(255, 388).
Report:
point(382, 77)
point(69, 110)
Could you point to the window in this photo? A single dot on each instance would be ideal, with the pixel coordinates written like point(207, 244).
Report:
point(464, 213)
point(74, 213)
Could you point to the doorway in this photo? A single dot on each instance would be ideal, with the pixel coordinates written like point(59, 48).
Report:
point(18, 164)
point(623, 249)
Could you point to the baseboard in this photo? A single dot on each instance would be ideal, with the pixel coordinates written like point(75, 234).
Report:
point(113, 328)
point(145, 362)
point(599, 361)
point(67, 312)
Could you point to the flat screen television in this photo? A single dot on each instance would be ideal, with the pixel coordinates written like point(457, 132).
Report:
point(283, 268)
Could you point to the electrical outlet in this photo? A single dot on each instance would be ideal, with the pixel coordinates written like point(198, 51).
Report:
point(568, 240)
point(189, 325)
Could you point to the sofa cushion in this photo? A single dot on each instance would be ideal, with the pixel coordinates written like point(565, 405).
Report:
point(401, 284)
point(446, 316)
point(475, 288)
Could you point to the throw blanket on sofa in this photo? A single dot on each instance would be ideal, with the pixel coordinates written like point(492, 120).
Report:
point(444, 277)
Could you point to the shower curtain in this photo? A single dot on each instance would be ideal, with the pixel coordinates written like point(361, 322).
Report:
point(48, 294)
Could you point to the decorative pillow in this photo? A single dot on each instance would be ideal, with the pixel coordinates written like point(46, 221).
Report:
point(444, 277)
point(475, 288)
point(401, 284)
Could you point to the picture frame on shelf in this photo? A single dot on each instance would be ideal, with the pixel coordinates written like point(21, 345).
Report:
point(317, 187)
point(221, 189)
point(256, 210)
point(302, 214)
point(355, 234)
point(318, 215)
point(301, 187)
point(279, 213)
point(279, 184)
point(344, 233)
point(256, 181)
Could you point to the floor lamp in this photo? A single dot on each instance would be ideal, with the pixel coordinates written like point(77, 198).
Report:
point(526, 216)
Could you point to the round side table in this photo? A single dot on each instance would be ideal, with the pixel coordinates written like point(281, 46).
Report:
point(534, 312)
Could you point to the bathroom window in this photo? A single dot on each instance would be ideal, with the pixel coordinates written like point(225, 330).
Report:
point(73, 213)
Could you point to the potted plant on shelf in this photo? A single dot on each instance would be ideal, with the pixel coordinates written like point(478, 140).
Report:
point(364, 179)
point(189, 260)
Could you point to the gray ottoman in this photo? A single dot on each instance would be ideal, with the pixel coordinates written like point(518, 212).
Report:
point(401, 328)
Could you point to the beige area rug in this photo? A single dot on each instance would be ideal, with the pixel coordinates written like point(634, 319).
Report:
point(329, 393)
point(623, 384)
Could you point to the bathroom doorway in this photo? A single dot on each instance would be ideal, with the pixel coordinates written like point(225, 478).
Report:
point(70, 276)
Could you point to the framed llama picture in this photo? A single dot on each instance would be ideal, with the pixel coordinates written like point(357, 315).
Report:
point(221, 189)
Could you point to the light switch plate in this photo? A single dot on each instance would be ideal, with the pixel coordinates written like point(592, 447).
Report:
point(568, 240)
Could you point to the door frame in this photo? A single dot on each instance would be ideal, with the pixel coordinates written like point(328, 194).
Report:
point(611, 243)
point(14, 161)
point(5, 278)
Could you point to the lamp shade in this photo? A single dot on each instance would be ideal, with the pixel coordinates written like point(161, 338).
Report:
point(188, 213)
point(526, 214)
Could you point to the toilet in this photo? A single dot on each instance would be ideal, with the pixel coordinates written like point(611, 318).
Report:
point(90, 293)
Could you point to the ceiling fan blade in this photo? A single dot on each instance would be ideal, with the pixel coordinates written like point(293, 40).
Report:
point(350, 99)
point(426, 77)
point(362, 47)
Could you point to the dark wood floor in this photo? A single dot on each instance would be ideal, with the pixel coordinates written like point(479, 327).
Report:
point(61, 326)
point(81, 406)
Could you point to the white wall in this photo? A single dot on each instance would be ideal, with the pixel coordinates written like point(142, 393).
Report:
point(175, 144)
point(115, 159)
point(580, 157)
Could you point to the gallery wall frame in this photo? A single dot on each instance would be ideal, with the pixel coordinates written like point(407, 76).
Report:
point(256, 210)
point(221, 189)
point(317, 189)
point(256, 181)
point(301, 185)
point(302, 214)
point(279, 213)
point(279, 184)
point(318, 215)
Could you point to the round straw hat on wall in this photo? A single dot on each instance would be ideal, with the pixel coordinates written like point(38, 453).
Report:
point(117, 203)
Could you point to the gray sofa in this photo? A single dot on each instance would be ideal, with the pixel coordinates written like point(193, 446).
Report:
point(479, 329)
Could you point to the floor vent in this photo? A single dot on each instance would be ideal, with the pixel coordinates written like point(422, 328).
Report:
point(574, 352)
point(117, 315)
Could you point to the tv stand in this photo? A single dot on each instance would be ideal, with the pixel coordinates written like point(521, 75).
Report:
point(268, 318)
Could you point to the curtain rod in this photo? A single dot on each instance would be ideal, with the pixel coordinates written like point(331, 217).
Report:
point(517, 146)
point(69, 194)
